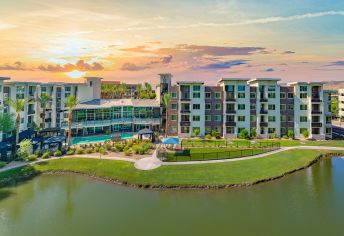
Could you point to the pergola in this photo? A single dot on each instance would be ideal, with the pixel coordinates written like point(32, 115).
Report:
point(55, 140)
point(143, 132)
point(49, 132)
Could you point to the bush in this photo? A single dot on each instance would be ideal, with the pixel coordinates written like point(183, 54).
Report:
point(46, 155)
point(2, 164)
point(108, 146)
point(79, 151)
point(290, 133)
point(215, 134)
point(127, 151)
point(208, 136)
point(119, 147)
point(89, 150)
point(70, 152)
point(285, 137)
point(274, 134)
point(96, 149)
point(305, 133)
point(244, 134)
point(253, 133)
point(58, 153)
point(32, 157)
point(102, 151)
point(113, 149)
point(130, 143)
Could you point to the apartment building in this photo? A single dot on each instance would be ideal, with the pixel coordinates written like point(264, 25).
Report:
point(242, 103)
point(341, 103)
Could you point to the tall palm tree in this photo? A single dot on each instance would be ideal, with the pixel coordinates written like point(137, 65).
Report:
point(139, 90)
point(166, 101)
point(122, 88)
point(18, 105)
point(148, 90)
point(44, 100)
point(71, 102)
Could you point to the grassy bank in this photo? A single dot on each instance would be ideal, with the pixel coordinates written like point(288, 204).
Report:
point(228, 173)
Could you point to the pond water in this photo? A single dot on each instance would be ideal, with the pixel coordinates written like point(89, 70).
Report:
point(309, 202)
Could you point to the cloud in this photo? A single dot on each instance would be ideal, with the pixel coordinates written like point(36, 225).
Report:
point(15, 66)
point(288, 52)
point(269, 70)
point(137, 49)
point(5, 26)
point(133, 67)
point(81, 65)
point(224, 65)
point(336, 63)
point(166, 59)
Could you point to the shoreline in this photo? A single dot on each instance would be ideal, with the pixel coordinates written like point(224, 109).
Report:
point(7, 182)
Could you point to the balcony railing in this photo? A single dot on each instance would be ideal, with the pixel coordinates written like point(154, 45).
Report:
point(230, 99)
point(316, 112)
point(262, 99)
point(264, 124)
point(90, 123)
point(263, 111)
point(185, 123)
point(316, 124)
point(185, 111)
point(230, 123)
point(31, 112)
point(230, 111)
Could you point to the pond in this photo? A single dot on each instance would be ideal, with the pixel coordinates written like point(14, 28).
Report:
point(309, 202)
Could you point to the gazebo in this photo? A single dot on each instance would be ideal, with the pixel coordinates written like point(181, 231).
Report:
point(143, 132)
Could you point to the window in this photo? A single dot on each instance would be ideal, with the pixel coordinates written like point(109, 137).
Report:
point(197, 88)
point(271, 118)
point(218, 118)
point(185, 129)
point(272, 88)
point(196, 106)
point(290, 118)
point(241, 88)
point(271, 95)
point(303, 88)
point(230, 130)
point(174, 106)
point(174, 95)
point(208, 106)
point(283, 107)
point(253, 106)
point(252, 95)
point(290, 95)
point(196, 118)
point(272, 107)
point(218, 106)
point(303, 95)
point(230, 118)
point(207, 129)
point(207, 95)
point(283, 95)
point(283, 118)
point(303, 107)
point(241, 118)
point(290, 107)
point(253, 118)
point(207, 117)
point(241, 106)
point(196, 94)
point(230, 88)
point(303, 119)
point(173, 117)
point(283, 130)
point(241, 95)
point(218, 95)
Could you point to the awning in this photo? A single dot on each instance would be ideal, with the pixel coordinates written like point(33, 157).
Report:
point(173, 141)
point(145, 131)
point(56, 139)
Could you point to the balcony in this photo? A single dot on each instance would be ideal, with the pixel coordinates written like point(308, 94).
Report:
point(316, 112)
point(185, 123)
point(316, 98)
point(262, 111)
point(230, 99)
point(230, 111)
point(47, 120)
point(31, 112)
point(263, 124)
point(230, 123)
point(185, 111)
point(262, 99)
point(185, 98)
point(316, 124)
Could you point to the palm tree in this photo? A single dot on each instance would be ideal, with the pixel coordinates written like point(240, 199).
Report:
point(44, 100)
point(71, 103)
point(139, 90)
point(6, 122)
point(18, 105)
point(122, 89)
point(166, 102)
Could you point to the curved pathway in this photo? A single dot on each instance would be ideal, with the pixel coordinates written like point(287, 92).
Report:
point(152, 162)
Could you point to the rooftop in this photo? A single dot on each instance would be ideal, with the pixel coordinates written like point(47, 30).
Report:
point(190, 82)
point(108, 103)
point(264, 79)
point(308, 83)
point(233, 79)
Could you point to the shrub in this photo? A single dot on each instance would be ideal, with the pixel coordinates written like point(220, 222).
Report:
point(305, 133)
point(113, 149)
point(46, 155)
point(119, 147)
point(290, 133)
point(244, 134)
point(208, 136)
point(285, 137)
point(196, 131)
point(108, 146)
point(2, 164)
point(25, 149)
point(127, 151)
point(102, 151)
point(79, 150)
point(274, 134)
point(96, 149)
point(253, 133)
point(130, 143)
point(215, 134)
point(89, 150)
point(70, 152)
point(32, 157)
point(58, 153)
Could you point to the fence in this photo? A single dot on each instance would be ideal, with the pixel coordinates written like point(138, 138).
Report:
point(189, 155)
point(225, 143)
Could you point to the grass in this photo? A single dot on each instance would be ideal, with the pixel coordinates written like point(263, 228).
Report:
point(227, 173)
point(2, 164)
point(201, 154)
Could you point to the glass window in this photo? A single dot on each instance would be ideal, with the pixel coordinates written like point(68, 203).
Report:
point(253, 95)
point(174, 95)
point(241, 95)
point(241, 118)
point(207, 117)
point(218, 118)
point(303, 88)
point(241, 106)
point(218, 106)
point(196, 88)
point(196, 95)
point(290, 118)
point(283, 107)
point(174, 106)
point(208, 106)
point(241, 88)
point(253, 118)
point(303, 95)
point(207, 95)
point(173, 117)
point(196, 106)
point(303, 119)
point(283, 118)
point(272, 107)
point(290, 107)
point(218, 95)
point(196, 118)
point(253, 106)
point(283, 95)
point(272, 88)
point(290, 95)
point(271, 95)
point(303, 107)
point(271, 118)
point(271, 130)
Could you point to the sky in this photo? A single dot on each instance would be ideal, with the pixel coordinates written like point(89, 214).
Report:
point(134, 40)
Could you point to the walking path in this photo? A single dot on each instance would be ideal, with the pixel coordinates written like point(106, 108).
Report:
point(152, 162)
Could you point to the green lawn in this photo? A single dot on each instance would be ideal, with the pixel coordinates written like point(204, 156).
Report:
point(200, 154)
point(237, 172)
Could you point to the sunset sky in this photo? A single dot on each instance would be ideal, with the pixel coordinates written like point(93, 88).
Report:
point(133, 41)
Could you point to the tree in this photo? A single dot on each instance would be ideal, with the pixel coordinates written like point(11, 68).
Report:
point(305, 133)
point(139, 90)
point(18, 105)
point(166, 102)
point(214, 133)
point(122, 89)
point(290, 133)
point(44, 100)
point(274, 134)
point(334, 107)
point(243, 134)
point(6, 123)
point(71, 103)
point(25, 149)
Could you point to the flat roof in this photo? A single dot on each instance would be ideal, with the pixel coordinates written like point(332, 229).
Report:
point(108, 103)
point(263, 79)
point(5, 78)
point(303, 82)
point(190, 82)
point(233, 79)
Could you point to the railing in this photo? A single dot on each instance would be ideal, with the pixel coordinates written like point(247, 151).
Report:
point(113, 121)
point(188, 155)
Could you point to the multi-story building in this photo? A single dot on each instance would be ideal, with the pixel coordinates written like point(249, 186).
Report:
point(341, 103)
point(233, 105)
